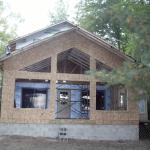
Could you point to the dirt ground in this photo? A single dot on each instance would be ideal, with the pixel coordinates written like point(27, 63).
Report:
point(30, 143)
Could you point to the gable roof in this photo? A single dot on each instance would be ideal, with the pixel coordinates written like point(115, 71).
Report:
point(25, 42)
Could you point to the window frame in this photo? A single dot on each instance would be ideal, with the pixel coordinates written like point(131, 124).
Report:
point(18, 100)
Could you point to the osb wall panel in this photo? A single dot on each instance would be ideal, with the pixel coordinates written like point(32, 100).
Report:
point(8, 112)
point(39, 52)
point(59, 44)
point(50, 49)
point(98, 52)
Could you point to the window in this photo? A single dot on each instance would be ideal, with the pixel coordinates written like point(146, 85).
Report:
point(73, 61)
point(64, 97)
point(85, 100)
point(118, 97)
point(34, 98)
point(110, 97)
point(73, 100)
point(32, 94)
point(100, 100)
point(142, 106)
point(41, 66)
point(102, 96)
point(100, 66)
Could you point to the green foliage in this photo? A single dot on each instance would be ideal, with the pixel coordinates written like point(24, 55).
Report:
point(133, 76)
point(98, 17)
point(60, 13)
point(134, 16)
point(7, 33)
point(111, 19)
point(131, 19)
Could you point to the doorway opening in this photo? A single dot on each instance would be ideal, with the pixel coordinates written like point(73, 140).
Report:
point(73, 100)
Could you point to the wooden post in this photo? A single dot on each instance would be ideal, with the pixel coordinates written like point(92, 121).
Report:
point(7, 103)
point(53, 91)
point(92, 90)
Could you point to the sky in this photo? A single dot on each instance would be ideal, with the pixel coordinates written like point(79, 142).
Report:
point(35, 13)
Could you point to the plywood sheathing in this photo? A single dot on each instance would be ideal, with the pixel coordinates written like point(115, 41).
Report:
point(51, 48)
point(59, 44)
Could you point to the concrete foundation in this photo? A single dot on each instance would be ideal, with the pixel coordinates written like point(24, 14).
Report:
point(86, 132)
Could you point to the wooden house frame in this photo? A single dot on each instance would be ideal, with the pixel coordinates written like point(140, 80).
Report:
point(39, 58)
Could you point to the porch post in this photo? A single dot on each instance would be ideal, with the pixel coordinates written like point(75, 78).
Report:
point(53, 92)
point(92, 90)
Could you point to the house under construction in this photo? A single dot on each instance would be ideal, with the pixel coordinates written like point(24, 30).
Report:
point(46, 88)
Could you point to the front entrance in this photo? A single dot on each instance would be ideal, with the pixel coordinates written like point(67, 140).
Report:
point(63, 103)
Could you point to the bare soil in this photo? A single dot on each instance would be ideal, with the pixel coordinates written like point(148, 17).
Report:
point(30, 143)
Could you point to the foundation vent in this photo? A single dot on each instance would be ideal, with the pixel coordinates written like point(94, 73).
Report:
point(63, 134)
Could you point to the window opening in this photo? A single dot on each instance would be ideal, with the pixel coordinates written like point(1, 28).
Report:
point(73, 61)
point(41, 66)
point(32, 93)
point(73, 100)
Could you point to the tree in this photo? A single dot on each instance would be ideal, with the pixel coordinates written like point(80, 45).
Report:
point(6, 32)
point(60, 13)
point(134, 15)
point(98, 17)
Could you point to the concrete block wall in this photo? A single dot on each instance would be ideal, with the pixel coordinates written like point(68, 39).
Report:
point(84, 132)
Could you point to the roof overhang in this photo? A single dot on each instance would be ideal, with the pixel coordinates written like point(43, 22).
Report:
point(75, 28)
